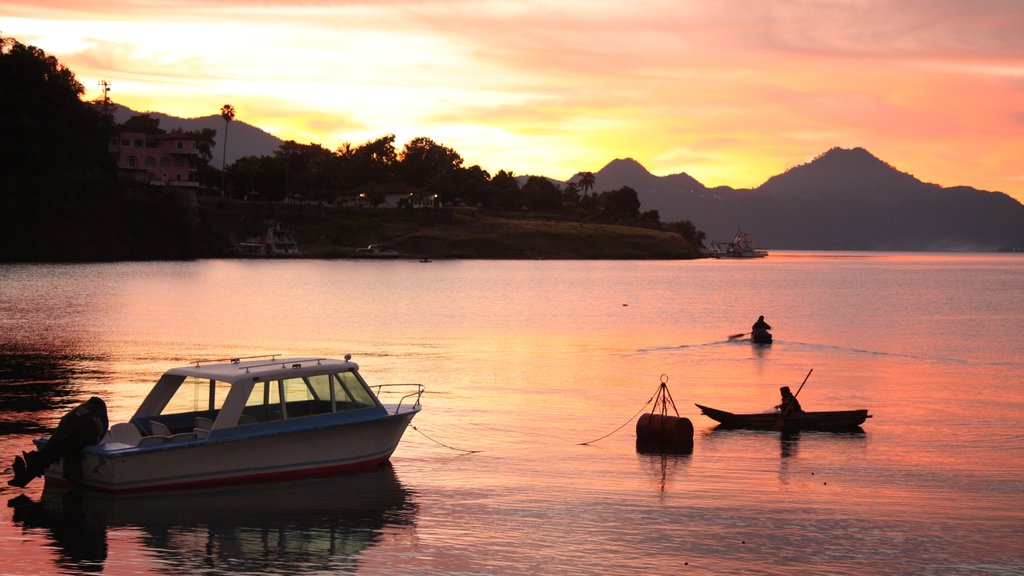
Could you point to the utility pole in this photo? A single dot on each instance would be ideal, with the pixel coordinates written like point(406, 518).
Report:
point(106, 96)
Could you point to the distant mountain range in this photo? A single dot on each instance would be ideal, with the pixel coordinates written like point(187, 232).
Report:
point(845, 199)
point(842, 200)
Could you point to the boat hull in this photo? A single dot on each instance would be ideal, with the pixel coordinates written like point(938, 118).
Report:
point(277, 455)
point(827, 421)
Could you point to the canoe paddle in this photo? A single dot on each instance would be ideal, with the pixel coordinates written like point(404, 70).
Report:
point(735, 336)
point(802, 383)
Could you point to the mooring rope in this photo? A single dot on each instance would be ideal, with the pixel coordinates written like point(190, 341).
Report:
point(443, 444)
point(642, 408)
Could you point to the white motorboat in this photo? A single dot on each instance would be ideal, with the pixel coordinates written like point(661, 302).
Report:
point(243, 420)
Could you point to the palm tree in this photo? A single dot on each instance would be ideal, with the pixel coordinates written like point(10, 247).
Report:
point(587, 181)
point(227, 112)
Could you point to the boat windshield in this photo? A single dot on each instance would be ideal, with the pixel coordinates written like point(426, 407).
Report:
point(305, 396)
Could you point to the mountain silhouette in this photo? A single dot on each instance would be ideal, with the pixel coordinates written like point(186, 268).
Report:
point(845, 199)
point(243, 139)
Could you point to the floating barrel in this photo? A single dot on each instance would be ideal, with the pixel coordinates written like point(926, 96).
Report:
point(661, 433)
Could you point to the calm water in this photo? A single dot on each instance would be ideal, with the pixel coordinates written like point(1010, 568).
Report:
point(523, 361)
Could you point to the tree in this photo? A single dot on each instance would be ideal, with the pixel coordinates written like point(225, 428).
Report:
point(144, 123)
point(374, 161)
point(52, 142)
point(430, 166)
point(619, 205)
point(505, 193)
point(650, 217)
point(571, 194)
point(474, 185)
point(540, 194)
point(689, 232)
point(227, 112)
point(587, 181)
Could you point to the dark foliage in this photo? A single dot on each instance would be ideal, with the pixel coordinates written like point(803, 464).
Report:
point(45, 125)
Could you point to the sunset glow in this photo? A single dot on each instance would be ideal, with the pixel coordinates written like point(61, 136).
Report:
point(729, 92)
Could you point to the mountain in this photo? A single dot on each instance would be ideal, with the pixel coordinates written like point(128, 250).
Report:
point(845, 199)
point(243, 139)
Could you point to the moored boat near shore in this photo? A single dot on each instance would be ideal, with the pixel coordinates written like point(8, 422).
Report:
point(739, 247)
point(238, 421)
point(827, 421)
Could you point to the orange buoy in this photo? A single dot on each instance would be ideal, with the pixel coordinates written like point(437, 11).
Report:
point(661, 432)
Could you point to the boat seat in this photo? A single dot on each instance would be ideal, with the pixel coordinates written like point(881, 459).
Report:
point(123, 433)
point(200, 433)
point(159, 428)
point(183, 437)
point(203, 423)
point(152, 440)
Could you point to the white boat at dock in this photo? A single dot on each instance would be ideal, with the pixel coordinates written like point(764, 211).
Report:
point(277, 241)
point(243, 420)
point(739, 247)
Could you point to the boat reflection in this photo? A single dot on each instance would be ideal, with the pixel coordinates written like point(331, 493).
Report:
point(319, 525)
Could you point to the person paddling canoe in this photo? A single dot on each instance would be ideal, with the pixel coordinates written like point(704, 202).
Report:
point(789, 402)
point(759, 331)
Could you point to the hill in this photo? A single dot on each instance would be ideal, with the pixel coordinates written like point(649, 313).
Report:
point(243, 139)
point(845, 199)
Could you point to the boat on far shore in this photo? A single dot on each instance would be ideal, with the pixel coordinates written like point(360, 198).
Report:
point(834, 421)
point(376, 251)
point(276, 242)
point(739, 247)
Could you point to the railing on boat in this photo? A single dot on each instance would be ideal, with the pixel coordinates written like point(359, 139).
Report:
point(379, 390)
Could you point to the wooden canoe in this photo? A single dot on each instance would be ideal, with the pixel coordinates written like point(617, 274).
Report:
point(830, 421)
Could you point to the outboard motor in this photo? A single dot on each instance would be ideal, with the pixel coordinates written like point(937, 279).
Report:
point(83, 426)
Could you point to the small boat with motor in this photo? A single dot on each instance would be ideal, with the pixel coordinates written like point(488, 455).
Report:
point(792, 421)
point(243, 420)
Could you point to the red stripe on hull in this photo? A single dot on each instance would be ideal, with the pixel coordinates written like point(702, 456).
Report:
point(58, 482)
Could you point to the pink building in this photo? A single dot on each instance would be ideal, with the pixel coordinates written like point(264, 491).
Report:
point(158, 160)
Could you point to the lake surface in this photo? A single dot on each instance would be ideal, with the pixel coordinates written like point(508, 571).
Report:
point(525, 360)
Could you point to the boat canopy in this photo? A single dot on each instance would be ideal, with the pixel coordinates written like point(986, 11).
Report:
point(237, 393)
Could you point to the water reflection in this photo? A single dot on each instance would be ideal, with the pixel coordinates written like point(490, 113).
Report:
point(317, 525)
point(662, 467)
point(38, 387)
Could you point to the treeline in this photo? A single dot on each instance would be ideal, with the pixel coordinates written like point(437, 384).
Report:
point(425, 172)
point(60, 195)
point(55, 149)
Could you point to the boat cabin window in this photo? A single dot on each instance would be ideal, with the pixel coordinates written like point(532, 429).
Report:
point(350, 393)
point(197, 395)
point(301, 397)
point(305, 396)
point(263, 405)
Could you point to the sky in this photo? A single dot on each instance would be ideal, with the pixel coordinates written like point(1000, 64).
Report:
point(731, 92)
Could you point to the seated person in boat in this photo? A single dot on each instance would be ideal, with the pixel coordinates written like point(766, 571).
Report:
point(789, 402)
point(760, 326)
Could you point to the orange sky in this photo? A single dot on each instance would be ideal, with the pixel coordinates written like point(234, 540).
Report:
point(730, 92)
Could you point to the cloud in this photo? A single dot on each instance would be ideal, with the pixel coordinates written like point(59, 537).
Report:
point(730, 91)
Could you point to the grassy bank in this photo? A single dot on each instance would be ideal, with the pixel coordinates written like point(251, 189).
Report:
point(425, 233)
